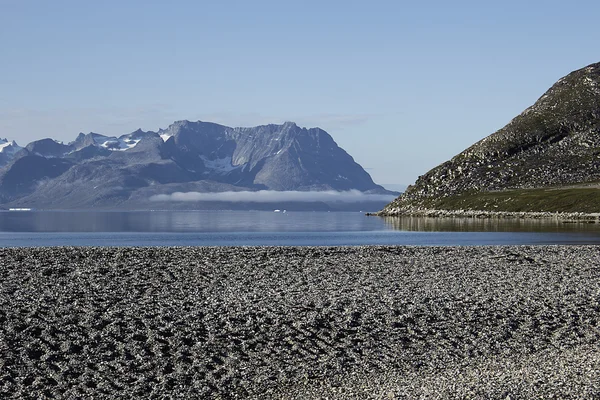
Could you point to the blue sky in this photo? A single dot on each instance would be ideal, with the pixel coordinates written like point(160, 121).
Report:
point(402, 86)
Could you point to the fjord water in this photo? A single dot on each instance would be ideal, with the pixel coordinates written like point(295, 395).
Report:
point(260, 228)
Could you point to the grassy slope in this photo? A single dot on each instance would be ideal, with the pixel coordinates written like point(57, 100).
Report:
point(586, 200)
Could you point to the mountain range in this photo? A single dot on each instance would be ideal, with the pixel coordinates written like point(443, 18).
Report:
point(140, 170)
point(545, 159)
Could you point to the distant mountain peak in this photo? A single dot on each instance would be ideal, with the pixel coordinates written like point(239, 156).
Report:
point(7, 146)
point(8, 141)
point(99, 170)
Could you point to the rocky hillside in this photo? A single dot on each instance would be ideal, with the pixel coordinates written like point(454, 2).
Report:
point(129, 171)
point(553, 144)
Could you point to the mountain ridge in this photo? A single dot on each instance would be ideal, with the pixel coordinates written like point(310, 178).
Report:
point(99, 171)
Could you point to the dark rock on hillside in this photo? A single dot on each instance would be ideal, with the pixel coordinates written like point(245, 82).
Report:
point(88, 152)
point(49, 148)
point(555, 142)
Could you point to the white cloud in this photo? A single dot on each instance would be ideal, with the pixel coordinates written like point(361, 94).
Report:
point(270, 196)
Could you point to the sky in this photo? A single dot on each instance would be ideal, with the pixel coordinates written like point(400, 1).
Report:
point(402, 86)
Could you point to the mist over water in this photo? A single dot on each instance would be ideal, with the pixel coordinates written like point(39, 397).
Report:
point(271, 196)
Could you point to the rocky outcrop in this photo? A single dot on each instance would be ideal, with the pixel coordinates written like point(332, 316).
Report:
point(8, 149)
point(553, 143)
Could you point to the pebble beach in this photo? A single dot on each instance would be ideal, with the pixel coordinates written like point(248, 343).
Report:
point(373, 322)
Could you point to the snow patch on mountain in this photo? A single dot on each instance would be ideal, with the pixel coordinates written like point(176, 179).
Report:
point(9, 147)
point(219, 165)
point(117, 144)
point(165, 136)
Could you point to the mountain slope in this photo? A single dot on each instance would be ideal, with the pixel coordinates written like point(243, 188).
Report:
point(554, 143)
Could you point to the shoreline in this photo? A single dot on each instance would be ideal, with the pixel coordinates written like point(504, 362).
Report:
point(300, 322)
point(481, 214)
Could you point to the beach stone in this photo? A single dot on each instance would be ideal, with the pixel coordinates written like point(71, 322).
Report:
point(300, 322)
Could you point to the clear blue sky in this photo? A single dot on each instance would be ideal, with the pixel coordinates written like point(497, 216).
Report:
point(402, 86)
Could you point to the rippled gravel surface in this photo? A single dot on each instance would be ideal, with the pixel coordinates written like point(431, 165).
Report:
point(305, 322)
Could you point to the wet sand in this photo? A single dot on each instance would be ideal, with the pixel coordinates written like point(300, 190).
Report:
point(300, 322)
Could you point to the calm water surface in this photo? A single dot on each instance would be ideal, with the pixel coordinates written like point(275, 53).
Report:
point(256, 228)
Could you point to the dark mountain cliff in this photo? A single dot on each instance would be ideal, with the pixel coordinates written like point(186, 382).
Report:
point(100, 171)
point(552, 144)
point(275, 157)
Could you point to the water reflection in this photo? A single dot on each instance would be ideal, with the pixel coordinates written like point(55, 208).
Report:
point(186, 221)
point(262, 221)
point(253, 228)
point(425, 224)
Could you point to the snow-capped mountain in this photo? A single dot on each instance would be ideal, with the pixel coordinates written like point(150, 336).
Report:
point(96, 170)
point(9, 147)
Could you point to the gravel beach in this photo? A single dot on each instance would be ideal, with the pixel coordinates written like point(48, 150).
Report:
point(300, 322)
